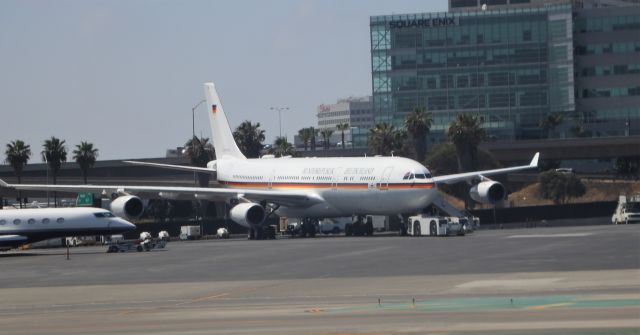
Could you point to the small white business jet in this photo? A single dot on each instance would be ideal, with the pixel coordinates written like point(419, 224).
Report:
point(298, 187)
point(22, 226)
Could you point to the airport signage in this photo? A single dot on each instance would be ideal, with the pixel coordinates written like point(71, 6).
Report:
point(85, 199)
point(424, 23)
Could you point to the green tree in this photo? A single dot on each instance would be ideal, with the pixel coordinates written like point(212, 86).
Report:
point(326, 137)
point(466, 133)
point(17, 155)
point(54, 154)
point(249, 138)
point(551, 122)
point(305, 135)
point(200, 152)
point(85, 155)
point(560, 187)
point(282, 147)
point(383, 139)
point(341, 127)
point(418, 123)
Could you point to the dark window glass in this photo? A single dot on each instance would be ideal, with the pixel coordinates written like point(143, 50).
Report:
point(496, 2)
point(463, 3)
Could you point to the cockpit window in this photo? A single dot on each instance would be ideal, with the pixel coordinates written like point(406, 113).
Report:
point(103, 215)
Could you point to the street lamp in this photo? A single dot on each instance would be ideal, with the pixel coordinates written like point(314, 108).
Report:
point(193, 117)
point(279, 109)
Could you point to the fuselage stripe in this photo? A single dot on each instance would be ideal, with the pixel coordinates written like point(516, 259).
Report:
point(327, 185)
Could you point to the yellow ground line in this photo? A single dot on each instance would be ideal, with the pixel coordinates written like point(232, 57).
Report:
point(541, 307)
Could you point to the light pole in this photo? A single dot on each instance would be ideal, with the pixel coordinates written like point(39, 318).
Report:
point(279, 109)
point(193, 117)
point(193, 129)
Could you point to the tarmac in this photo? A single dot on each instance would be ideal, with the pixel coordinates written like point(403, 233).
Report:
point(567, 280)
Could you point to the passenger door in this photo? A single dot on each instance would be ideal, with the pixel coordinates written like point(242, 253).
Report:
point(383, 185)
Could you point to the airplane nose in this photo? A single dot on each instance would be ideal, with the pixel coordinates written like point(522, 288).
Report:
point(122, 225)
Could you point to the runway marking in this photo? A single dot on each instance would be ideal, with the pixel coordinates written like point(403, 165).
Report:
point(551, 235)
point(541, 307)
point(314, 310)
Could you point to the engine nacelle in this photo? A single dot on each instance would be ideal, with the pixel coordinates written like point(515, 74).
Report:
point(128, 207)
point(248, 214)
point(488, 192)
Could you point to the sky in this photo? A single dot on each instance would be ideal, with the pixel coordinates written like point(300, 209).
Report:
point(125, 74)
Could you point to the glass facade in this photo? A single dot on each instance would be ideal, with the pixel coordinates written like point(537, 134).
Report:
point(511, 67)
point(607, 71)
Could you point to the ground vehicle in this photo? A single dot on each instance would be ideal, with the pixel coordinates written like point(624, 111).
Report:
point(334, 225)
point(189, 232)
point(164, 235)
point(459, 225)
point(136, 245)
point(425, 225)
point(302, 227)
point(222, 233)
point(628, 210)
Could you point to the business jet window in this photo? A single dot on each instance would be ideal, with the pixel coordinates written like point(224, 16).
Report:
point(60, 220)
point(3, 222)
point(104, 215)
point(16, 221)
point(31, 221)
point(45, 221)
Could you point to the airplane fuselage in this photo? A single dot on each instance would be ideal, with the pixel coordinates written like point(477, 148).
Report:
point(20, 226)
point(358, 185)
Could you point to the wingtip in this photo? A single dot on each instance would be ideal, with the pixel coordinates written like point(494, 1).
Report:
point(534, 161)
point(4, 184)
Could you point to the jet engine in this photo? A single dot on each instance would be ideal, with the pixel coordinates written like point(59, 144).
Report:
point(488, 192)
point(128, 207)
point(248, 214)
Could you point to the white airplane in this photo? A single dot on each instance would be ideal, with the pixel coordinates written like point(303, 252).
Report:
point(22, 226)
point(298, 187)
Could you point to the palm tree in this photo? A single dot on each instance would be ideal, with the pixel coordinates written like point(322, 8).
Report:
point(466, 134)
point(341, 127)
point(282, 147)
point(306, 134)
point(18, 155)
point(550, 123)
point(85, 155)
point(249, 138)
point(326, 136)
point(385, 139)
point(54, 154)
point(200, 152)
point(418, 123)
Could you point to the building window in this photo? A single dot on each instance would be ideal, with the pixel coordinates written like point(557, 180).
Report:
point(463, 3)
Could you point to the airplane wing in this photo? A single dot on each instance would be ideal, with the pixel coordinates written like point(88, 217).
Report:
point(285, 198)
point(171, 166)
point(454, 178)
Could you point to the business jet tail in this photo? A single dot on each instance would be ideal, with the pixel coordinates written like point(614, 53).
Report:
point(223, 141)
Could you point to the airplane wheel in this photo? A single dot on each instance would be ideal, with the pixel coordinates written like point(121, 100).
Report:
point(348, 230)
point(416, 229)
point(369, 229)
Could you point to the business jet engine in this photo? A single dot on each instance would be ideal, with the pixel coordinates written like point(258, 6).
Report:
point(248, 214)
point(488, 192)
point(128, 207)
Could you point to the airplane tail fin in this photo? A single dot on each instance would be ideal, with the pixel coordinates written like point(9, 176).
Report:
point(223, 141)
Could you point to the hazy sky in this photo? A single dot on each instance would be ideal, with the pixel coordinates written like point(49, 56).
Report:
point(124, 75)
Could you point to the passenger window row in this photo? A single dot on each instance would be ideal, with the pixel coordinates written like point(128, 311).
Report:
point(30, 221)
